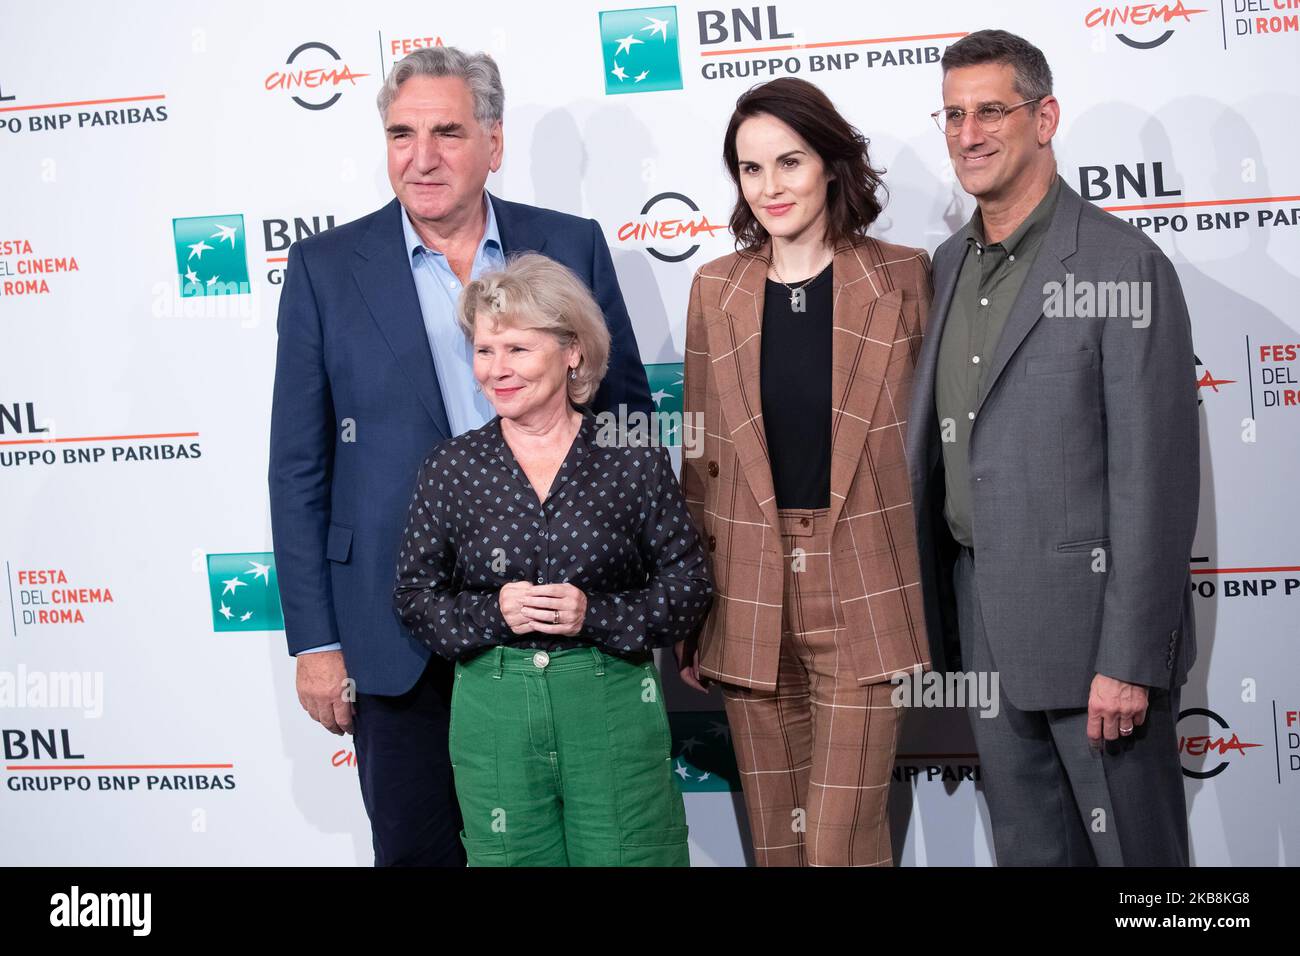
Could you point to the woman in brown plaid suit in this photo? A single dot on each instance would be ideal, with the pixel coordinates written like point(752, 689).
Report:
point(800, 349)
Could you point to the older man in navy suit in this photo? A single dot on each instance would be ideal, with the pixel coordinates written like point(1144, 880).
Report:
point(371, 372)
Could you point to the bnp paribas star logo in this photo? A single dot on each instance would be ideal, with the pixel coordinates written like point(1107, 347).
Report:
point(666, 383)
point(640, 48)
point(210, 257)
point(245, 592)
point(703, 758)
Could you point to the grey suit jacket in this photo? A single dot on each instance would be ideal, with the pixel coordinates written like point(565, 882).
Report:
point(1084, 457)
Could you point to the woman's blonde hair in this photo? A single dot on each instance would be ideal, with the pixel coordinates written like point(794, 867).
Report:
point(534, 292)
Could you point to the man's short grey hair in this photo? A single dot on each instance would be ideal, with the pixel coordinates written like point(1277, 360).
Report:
point(478, 70)
point(1033, 79)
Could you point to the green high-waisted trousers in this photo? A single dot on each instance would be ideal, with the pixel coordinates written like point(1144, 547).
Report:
point(564, 759)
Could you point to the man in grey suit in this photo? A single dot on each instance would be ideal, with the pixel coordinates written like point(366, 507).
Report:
point(1053, 448)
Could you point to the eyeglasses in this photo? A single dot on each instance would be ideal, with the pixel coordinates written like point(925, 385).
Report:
point(950, 120)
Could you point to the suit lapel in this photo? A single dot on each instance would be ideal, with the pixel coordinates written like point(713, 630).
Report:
point(1049, 266)
point(516, 227)
point(923, 433)
point(865, 326)
point(383, 273)
point(734, 332)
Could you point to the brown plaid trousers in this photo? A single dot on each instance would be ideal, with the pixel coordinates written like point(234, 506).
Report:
point(790, 682)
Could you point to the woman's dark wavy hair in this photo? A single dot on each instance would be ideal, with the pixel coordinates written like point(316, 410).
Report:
point(852, 197)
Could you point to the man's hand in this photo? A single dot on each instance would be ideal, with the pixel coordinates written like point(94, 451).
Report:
point(555, 608)
point(1115, 707)
point(688, 665)
point(321, 680)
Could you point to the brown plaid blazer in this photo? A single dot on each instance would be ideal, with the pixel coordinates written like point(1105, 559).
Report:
point(881, 295)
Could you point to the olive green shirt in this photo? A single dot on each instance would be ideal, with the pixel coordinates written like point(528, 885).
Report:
point(990, 279)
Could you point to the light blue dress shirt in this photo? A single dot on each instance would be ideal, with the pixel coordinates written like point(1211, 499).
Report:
point(438, 289)
point(453, 354)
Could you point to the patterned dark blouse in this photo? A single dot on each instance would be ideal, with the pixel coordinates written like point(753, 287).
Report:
point(614, 525)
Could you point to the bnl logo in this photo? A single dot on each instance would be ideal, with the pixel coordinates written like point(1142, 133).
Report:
point(640, 50)
point(245, 592)
point(211, 257)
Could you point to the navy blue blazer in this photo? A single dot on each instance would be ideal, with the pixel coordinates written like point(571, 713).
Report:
point(357, 407)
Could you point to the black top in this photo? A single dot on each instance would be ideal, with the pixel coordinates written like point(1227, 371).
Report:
point(614, 525)
point(795, 385)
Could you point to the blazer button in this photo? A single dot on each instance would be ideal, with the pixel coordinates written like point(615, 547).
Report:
point(713, 543)
point(713, 469)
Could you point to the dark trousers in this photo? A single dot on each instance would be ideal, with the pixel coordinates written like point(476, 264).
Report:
point(1052, 799)
point(405, 771)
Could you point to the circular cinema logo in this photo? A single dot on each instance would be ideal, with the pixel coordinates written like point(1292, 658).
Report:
point(315, 76)
point(667, 227)
point(1210, 746)
point(1206, 381)
point(1142, 26)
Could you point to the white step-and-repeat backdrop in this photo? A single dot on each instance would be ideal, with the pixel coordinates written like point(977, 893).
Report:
point(143, 724)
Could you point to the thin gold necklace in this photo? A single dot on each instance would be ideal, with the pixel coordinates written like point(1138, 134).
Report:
point(798, 297)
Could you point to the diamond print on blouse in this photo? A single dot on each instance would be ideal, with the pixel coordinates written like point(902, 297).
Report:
point(614, 525)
